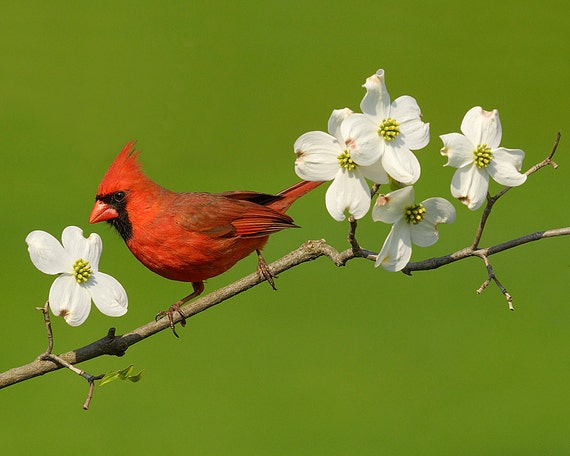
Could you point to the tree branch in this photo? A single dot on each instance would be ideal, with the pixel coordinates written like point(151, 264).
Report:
point(310, 250)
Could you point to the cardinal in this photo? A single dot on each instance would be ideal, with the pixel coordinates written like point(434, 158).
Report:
point(191, 236)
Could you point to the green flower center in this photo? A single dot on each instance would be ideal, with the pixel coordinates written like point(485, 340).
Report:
point(389, 129)
point(345, 161)
point(82, 271)
point(482, 156)
point(414, 213)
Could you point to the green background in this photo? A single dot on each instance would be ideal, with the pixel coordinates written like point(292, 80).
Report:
point(349, 360)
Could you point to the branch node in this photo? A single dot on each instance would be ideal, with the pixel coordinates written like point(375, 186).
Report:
point(91, 380)
point(118, 346)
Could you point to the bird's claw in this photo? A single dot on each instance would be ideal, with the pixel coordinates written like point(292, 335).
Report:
point(170, 314)
point(264, 271)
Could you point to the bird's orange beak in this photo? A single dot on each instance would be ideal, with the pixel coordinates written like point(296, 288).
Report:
point(101, 212)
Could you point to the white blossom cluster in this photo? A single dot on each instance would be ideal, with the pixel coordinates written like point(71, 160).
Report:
point(376, 145)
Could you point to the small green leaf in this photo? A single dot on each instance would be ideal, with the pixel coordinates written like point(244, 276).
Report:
point(109, 377)
point(124, 374)
point(136, 378)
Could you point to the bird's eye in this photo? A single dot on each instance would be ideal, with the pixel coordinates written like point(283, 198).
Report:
point(119, 197)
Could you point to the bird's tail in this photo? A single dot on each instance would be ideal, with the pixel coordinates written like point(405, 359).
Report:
point(291, 194)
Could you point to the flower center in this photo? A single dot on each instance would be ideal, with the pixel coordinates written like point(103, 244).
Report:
point(82, 271)
point(482, 156)
point(389, 129)
point(345, 161)
point(414, 213)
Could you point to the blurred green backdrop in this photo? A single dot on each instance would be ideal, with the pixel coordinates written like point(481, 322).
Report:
point(338, 361)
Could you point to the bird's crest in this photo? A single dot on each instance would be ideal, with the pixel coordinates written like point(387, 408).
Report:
point(124, 173)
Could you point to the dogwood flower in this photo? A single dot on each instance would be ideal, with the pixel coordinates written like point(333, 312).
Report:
point(79, 280)
point(331, 156)
point(476, 155)
point(389, 131)
point(412, 223)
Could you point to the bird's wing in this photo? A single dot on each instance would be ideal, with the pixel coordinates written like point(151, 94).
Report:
point(261, 221)
point(223, 216)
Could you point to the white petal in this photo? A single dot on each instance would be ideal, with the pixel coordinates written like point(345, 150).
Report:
point(74, 242)
point(413, 131)
point(515, 156)
point(336, 119)
point(505, 167)
point(317, 154)
point(376, 102)
point(470, 184)
point(78, 247)
point(47, 253)
point(458, 149)
point(376, 173)
point(95, 248)
point(424, 234)
point(69, 300)
point(482, 127)
point(108, 294)
point(397, 248)
point(348, 192)
point(400, 163)
point(390, 208)
point(438, 210)
point(362, 139)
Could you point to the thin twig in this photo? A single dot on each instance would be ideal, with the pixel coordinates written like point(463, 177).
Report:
point(491, 276)
point(357, 250)
point(91, 381)
point(47, 321)
point(374, 189)
point(89, 396)
point(49, 356)
point(484, 285)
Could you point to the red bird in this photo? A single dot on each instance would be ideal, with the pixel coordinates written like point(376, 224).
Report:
point(189, 237)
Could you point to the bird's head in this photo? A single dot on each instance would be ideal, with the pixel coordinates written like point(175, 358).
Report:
point(121, 181)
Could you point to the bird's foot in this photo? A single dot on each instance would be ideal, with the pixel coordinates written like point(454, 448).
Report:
point(264, 271)
point(170, 314)
point(176, 307)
